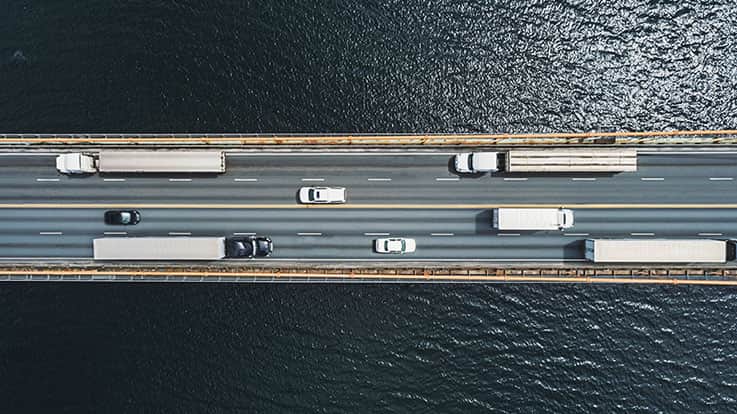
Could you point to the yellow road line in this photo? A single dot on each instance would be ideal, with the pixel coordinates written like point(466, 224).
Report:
point(363, 206)
point(388, 137)
point(369, 277)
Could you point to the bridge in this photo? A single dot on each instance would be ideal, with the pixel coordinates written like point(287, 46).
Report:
point(681, 190)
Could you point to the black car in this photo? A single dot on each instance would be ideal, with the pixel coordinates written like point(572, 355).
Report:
point(251, 246)
point(122, 217)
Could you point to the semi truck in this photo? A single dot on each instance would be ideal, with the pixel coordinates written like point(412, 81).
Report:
point(532, 218)
point(180, 248)
point(141, 162)
point(549, 160)
point(659, 250)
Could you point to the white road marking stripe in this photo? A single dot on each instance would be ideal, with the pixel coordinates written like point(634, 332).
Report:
point(50, 233)
point(685, 152)
point(575, 234)
point(312, 154)
point(27, 154)
point(447, 179)
point(313, 179)
point(721, 179)
point(183, 180)
point(374, 259)
point(375, 234)
point(642, 234)
point(514, 179)
point(379, 179)
point(244, 234)
point(46, 179)
point(710, 234)
point(583, 179)
point(652, 179)
point(114, 179)
point(442, 234)
point(508, 234)
point(115, 232)
point(425, 260)
point(178, 233)
point(309, 234)
point(250, 180)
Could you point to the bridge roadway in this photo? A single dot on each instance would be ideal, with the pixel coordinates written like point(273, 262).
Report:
point(445, 231)
point(347, 234)
point(384, 178)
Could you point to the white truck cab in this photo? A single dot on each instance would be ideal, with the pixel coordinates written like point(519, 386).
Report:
point(76, 163)
point(477, 162)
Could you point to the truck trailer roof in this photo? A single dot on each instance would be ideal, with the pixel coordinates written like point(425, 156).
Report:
point(656, 251)
point(159, 248)
point(162, 161)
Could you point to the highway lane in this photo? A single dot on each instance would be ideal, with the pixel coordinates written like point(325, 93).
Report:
point(377, 178)
point(459, 235)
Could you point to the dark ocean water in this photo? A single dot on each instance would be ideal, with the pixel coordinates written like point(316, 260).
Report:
point(366, 66)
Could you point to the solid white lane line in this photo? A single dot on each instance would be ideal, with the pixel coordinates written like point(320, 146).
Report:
point(447, 178)
point(514, 179)
point(46, 179)
point(113, 179)
point(309, 234)
point(313, 179)
point(381, 259)
point(50, 233)
point(379, 179)
point(508, 234)
point(180, 233)
point(583, 179)
point(575, 234)
point(28, 154)
point(249, 180)
point(110, 233)
point(442, 234)
point(710, 234)
point(685, 152)
point(183, 180)
point(642, 234)
point(373, 259)
point(721, 179)
point(244, 234)
point(303, 154)
point(375, 234)
point(652, 179)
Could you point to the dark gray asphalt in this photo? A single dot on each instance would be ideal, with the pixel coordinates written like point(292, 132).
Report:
point(390, 179)
point(458, 235)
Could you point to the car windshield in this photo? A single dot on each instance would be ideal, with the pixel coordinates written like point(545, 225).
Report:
point(404, 245)
point(470, 161)
point(243, 249)
point(311, 194)
point(125, 217)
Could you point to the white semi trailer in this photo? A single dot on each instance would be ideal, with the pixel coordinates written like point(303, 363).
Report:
point(180, 248)
point(549, 160)
point(659, 251)
point(532, 218)
point(142, 162)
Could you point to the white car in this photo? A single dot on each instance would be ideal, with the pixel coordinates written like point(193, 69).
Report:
point(395, 245)
point(322, 195)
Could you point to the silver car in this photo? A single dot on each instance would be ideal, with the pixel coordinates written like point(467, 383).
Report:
point(322, 195)
point(395, 245)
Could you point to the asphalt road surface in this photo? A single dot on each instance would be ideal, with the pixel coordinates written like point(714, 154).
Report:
point(265, 187)
point(458, 235)
point(388, 178)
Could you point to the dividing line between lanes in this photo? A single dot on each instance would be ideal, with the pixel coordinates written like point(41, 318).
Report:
point(361, 206)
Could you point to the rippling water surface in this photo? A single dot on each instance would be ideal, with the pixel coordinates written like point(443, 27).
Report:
point(366, 66)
